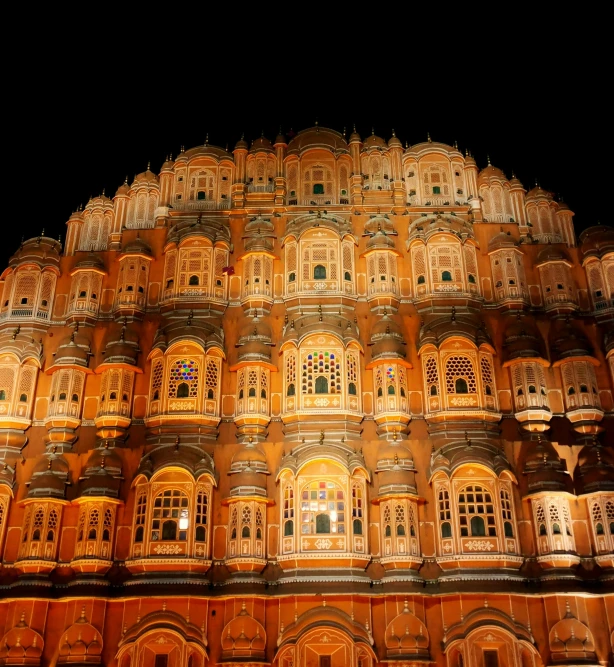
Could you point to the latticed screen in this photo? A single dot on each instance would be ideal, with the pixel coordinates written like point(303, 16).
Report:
point(321, 373)
point(183, 379)
point(156, 378)
point(458, 367)
point(476, 512)
point(170, 516)
point(322, 509)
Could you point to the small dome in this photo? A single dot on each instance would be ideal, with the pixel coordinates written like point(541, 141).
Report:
point(489, 174)
point(374, 142)
point(122, 347)
point(501, 240)
point(168, 165)
point(567, 341)
point(467, 325)
point(146, 177)
point(545, 469)
point(537, 194)
point(72, 351)
point(40, 250)
point(394, 141)
point(136, 247)
point(259, 234)
point(241, 144)
point(123, 190)
point(522, 339)
point(394, 453)
point(49, 477)
point(92, 261)
point(317, 137)
point(515, 182)
point(597, 241)
point(387, 339)
point(354, 136)
point(552, 254)
point(280, 138)
point(261, 144)
point(595, 469)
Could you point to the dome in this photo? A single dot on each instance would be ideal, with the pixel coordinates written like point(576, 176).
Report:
point(537, 194)
point(522, 339)
point(552, 254)
point(595, 469)
point(354, 136)
point(381, 231)
point(255, 328)
point(597, 241)
point(255, 341)
point(259, 234)
point(146, 177)
point(41, 250)
point(122, 347)
point(73, 351)
point(49, 477)
point(387, 339)
point(168, 165)
point(102, 201)
point(261, 144)
point(394, 141)
point(466, 326)
point(395, 469)
point(567, 341)
point(491, 173)
point(280, 138)
point(433, 223)
point(317, 137)
point(102, 474)
point(501, 240)
point(248, 471)
point(123, 190)
point(430, 146)
point(374, 142)
point(136, 247)
point(241, 144)
point(210, 228)
point(515, 182)
point(545, 469)
point(92, 261)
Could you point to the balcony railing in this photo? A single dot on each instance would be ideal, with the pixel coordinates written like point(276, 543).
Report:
point(200, 205)
point(269, 187)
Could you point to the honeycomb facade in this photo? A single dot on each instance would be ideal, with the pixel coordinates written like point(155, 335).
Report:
point(319, 402)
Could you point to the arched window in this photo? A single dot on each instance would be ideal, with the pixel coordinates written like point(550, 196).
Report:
point(460, 386)
point(446, 276)
point(391, 390)
point(201, 195)
point(319, 272)
point(183, 391)
point(318, 188)
point(291, 277)
point(476, 512)
point(421, 280)
point(170, 518)
point(351, 389)
point(183, 375)
point(193, 280)
point(245, 531)
point(291, 390)
point(2, 395)
point(324, 509)
point(321, 385)
point(446, 529)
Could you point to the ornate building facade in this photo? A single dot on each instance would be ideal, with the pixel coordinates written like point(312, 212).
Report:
point(321, 402)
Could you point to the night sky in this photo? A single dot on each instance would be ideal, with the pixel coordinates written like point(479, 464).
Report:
point(71, 136)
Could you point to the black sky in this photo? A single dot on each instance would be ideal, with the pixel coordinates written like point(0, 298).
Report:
point(73, 130)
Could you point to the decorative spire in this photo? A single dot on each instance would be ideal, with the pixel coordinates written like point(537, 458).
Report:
point(428, 137)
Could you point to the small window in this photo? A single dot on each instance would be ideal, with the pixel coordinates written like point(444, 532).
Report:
point(289, 528)
point(63, 396)
point(433, 390)
point(23, 398)
point(3, 396)
point(318, 189)
point(201, 196)
point(82, 294)
point(291, 277)
point(401, 530)
point(388, 532)
point(391, 390)
point(446, 529)
point(112, 396)
point(183, 391)
point(508, 529)
point(347, 276)
point(471, 279)
point(263, 393)
point(352, 389)
point(156, 396)
point(357, 525)
point(193, 280)
point(245, 532)
point(24, 301)
point(379, 392)
point(94, 296)
point(461, 386)
point(583, 389)
point(446, 276)
point(319, 272)
point(436, 190)
point(75, 398)
point(138, 536)
point(240, 394)
point(252, 392)
point(92, 534)
point(210, 395)
point(130, 288)
point(291, 391)
point(421, 280)
point(141, 290)
point(321, 385)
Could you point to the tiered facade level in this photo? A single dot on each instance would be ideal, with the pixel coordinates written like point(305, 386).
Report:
point(322, 402)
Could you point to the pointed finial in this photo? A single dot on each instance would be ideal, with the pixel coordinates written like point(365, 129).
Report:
point(393, 132)
point(148, 165)
point(488, 160)
point(428, 137)
point(207, 139)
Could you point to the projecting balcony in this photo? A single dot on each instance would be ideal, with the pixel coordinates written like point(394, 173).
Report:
point(25, 314)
